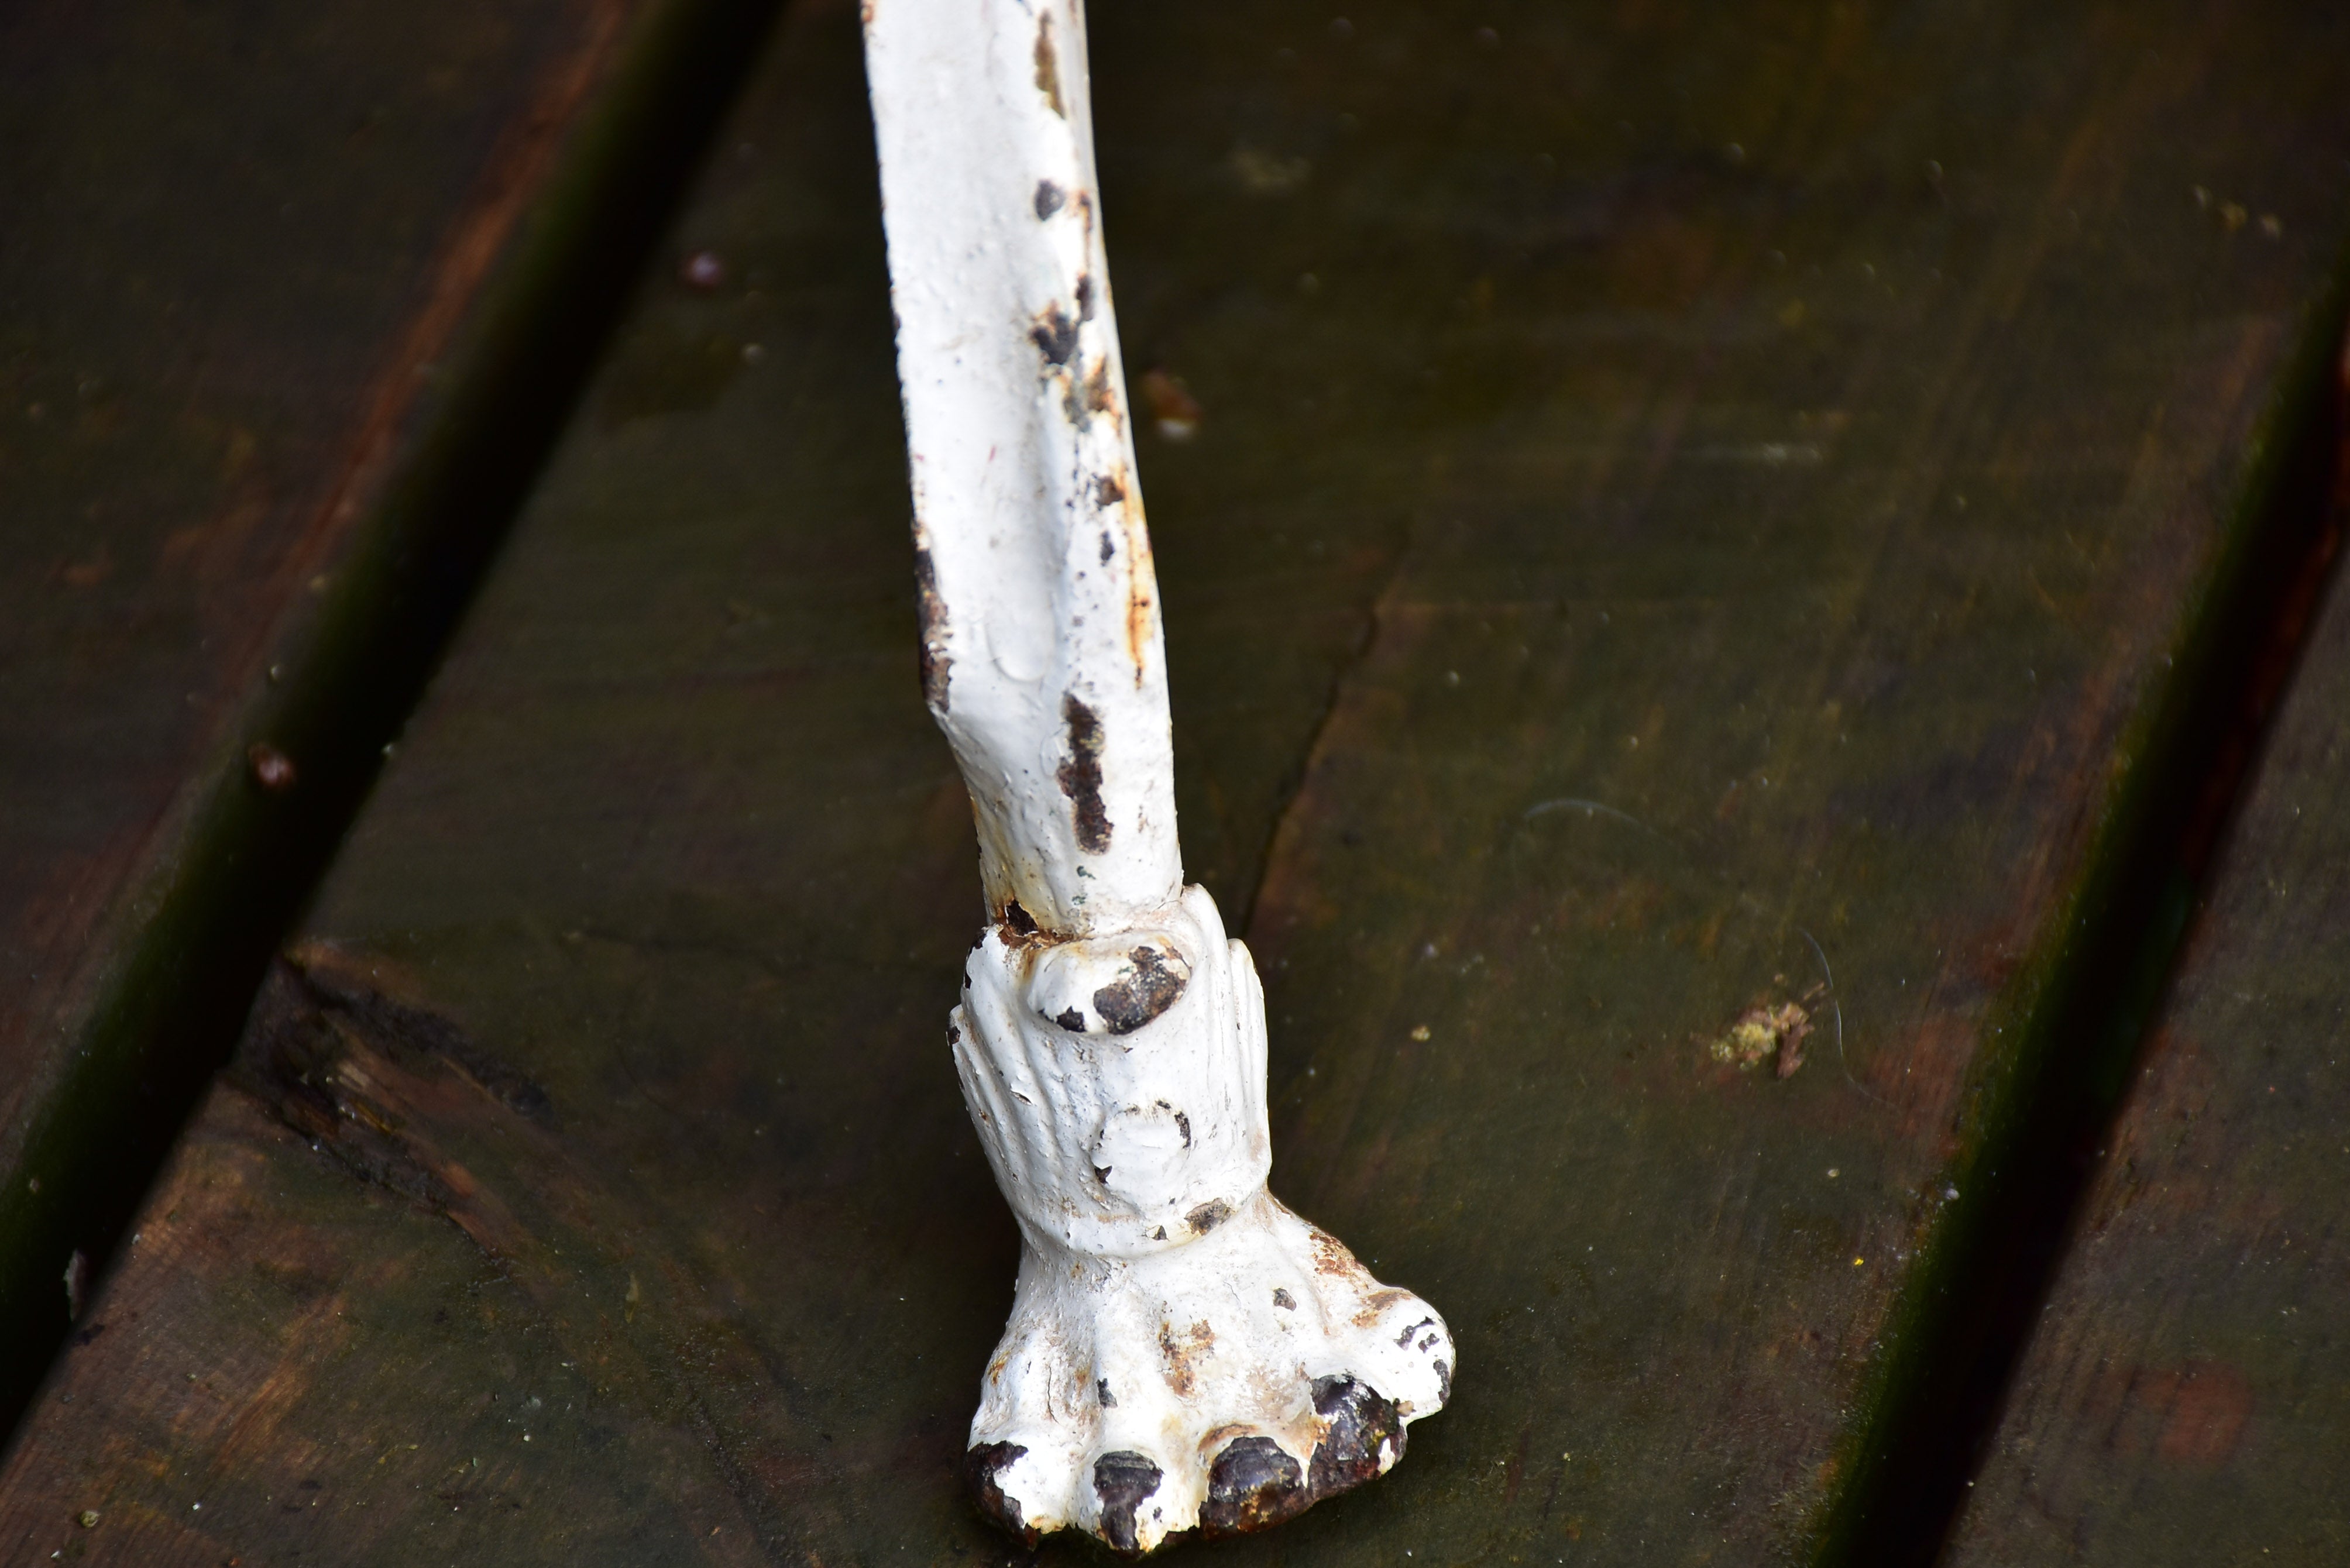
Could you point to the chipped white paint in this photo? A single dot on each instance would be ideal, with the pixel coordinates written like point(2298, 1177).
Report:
point(1183, 1351)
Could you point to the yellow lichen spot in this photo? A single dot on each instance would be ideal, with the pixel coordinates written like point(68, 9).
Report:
point(1764, 1031)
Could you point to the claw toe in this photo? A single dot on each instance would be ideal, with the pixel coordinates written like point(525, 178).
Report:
point(982, 1469)
point(1123, 1481)
point(1252, 1485)
point(1363, 1439)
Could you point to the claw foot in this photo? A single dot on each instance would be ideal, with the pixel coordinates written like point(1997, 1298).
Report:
point(1183, 1352)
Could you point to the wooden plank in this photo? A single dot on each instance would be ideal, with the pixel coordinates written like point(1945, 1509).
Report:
point(2182, 1400)
point(1769, 472)
point(261, 269)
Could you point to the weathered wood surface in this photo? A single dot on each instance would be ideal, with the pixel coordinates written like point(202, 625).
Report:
point(1665, 495)
point(2186, 1398)
point(251, 267)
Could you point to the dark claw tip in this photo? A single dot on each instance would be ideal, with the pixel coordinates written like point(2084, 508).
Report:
point(1364, 1438)
point(980, 1469)
point(1252, 1485)
point(1123, 1481)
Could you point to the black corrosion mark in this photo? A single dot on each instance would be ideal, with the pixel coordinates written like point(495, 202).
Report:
point(1048, 198)
point(1098, 397)
point(1405, 1337)
point(935, 661)
point(1208, 1216)
point(1089, 395)
point(1056, 336)
point(980, 1469)
point(1108, 492)
point(1072, 1020)
point(1123, 1481)
point(1252, 1485)
point(1101, 1391)
point(1018, 919)
point(1142, 994)
point(1080, 776)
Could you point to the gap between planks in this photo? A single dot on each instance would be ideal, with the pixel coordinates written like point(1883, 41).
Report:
point(173, 1003)
point(2079, 1019)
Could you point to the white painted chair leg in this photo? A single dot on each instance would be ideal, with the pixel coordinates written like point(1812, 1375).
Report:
point(1183, 1351)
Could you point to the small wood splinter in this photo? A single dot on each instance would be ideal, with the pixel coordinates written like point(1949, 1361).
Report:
point(1184, 1353)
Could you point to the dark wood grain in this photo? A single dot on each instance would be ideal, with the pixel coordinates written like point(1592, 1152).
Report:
point(1681, 505)
point(235, 247)
point(2187, 1395)
point(288, 295)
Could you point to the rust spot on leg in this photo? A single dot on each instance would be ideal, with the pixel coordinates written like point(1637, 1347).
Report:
point(1049, 67)
point(1176, 1355)
point(1139, 617)
point(1055, 335)
point(1208, 1216)
point(1142, 992)
point(1331, 1257)
point(1080, 776)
